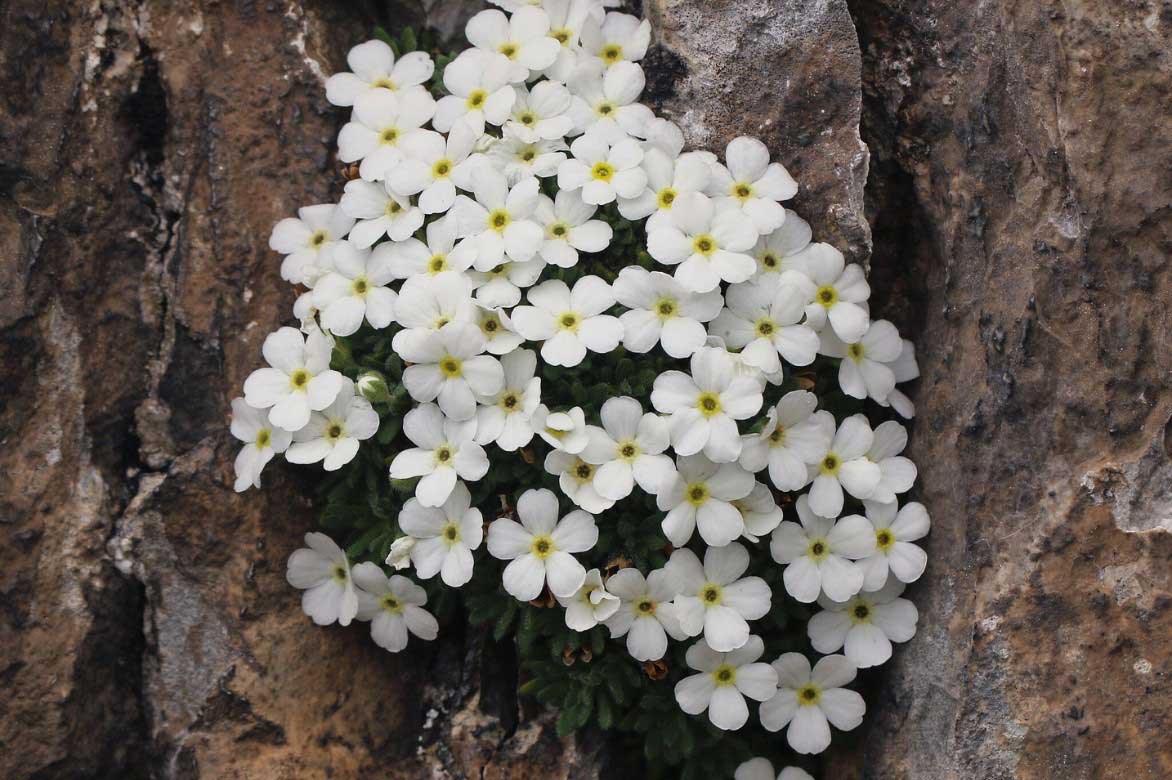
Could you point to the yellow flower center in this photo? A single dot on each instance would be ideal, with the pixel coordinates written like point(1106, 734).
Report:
point(360, 286)
point(742, 191)
point(708, 404)
point(542, 546)
point(450, 533)
point(499, 220)
point(527, 118)
point(611, 53)
point(766, 328)
point(830, 464)
point(562, 36)
point(582, 471)
point(724, 675)
point(605, 108)
point(856, 352)
point(628, 450)
point(476, 99)
point(335, 430)
point(569, 321)
point(645, 606)
point(696, 493)
point(318, 238)
point(712, 594)
point(450, 366)
point(393, 208)
point(509, 401)
point(384, 82)
point(340, 574)
point(388, 136)
point(809, 695)
point(441, 169)
point(443, 455)
point(437, 263)
point(704, 244)
point(665, 308)
point(527, 154)
point(884, 539)
point(602, 171)
point(509, 50)
point(299, 379)
point(818, 549)
point(490, 325)
point(826, 295)
point(390, 604)
point(666, 197)
point(860, 612)
point(558, 230)
point(264, 438)
point(769, 261)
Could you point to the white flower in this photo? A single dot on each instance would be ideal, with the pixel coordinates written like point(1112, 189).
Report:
point(905, 369)
point(607, 104)
point(761, 769)
point(863, 372)
point(865, 626)
point(379, 212)
point(400, 554)
point(478, 83)
point(448, 365)
point(501, 286)
point(522, 38)
point(708, 244)
point(300, 379)
point(506, 419)
point(715, 598)
point(569, 322)
point(566, 18)
point(591, 605)
point(308, 241)
point(355, 290)
point(628, 449)
point(618, 38)
point(705, 406)
point(332, 435)
point(662, 311)
point(794, 436)
point(518, 159)
point(725, 679)
point(565, 431)
point(897, 474)
point(444, 450)
point(539, 114)
point(843, 465)
point(833, 291)
point(394, 607)
point(752, 184)
point(819, 554)
point(427, 303)
point(374, 67)
point(701, 495)
point(569, 228)
point(322, 570)
point(894, 551)
point(433, 167)
point(778, 251)
point(380, 122)
point(306, 312)
point(576, 479)
point(646, 616)
point(499, 336)
point(411, 257)
point(500, 219)
point(668, 179)
point(446, 536)
point(762, 320)
point(261, 441)
point(807, 698)
point(759, 511)
point(539, 547)
point(603, 171)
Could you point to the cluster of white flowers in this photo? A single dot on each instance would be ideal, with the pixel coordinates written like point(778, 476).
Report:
point(444, 239)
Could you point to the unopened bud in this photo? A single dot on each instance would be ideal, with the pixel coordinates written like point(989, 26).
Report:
point(373, 387)
point(400, 554)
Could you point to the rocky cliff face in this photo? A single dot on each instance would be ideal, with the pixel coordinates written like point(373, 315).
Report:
point(1005, 165)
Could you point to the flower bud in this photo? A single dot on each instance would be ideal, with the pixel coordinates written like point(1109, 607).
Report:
point(400, 554)
point(373, 387)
